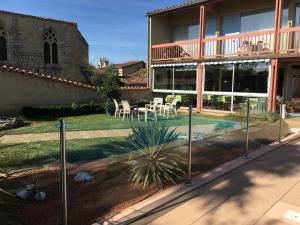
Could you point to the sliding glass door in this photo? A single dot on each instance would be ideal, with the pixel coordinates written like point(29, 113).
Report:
point(175, 79)
point(227, 86)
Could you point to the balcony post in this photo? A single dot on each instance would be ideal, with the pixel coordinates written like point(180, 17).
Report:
point(273, 86)
point(202, 30)
point(199, 87)
point(277, 25)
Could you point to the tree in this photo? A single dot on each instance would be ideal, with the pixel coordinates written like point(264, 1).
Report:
point(109, 88)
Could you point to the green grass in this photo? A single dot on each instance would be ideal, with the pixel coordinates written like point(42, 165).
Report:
point(104, 122)
point(27, 155)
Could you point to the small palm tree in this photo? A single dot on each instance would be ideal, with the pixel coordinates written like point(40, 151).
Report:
point(154, 158)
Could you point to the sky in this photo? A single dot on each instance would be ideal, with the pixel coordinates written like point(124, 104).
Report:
point(115, 29)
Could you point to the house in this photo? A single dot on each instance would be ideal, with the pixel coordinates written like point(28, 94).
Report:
point(224, 51)
point(42, 45)
point(129, 68)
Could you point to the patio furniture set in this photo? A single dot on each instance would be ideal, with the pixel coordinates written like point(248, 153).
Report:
point(129, 111)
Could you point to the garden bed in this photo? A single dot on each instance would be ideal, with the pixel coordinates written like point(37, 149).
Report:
point(101, 198)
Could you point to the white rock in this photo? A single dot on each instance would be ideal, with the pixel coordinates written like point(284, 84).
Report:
point(23, 194)
point(40, 196)
point(83, 176)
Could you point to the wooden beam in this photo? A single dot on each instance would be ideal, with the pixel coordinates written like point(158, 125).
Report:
point(199, 87)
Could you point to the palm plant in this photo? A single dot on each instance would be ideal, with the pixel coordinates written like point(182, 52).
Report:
point(153, 158)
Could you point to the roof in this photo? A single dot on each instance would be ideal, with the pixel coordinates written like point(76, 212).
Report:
point(130, 81)
point(59, 79)
point(177, 6)
point(38, 17)
point(130, 63)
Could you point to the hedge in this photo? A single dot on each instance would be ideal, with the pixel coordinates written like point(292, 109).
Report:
point(62, 111)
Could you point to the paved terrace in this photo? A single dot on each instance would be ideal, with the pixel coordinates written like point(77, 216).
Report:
point(265, 191)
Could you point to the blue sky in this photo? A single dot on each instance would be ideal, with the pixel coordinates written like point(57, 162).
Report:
point(116, 29)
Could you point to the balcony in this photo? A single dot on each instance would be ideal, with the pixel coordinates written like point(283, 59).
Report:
point(250, 45)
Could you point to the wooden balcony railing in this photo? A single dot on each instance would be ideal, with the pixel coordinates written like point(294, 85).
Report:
point(176, 51)
point(289, 40)
point(246, 44)
point(237, 45)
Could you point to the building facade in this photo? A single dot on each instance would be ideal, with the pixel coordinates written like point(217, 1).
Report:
point(223, 52)
point(129, 68)
point(42, 45)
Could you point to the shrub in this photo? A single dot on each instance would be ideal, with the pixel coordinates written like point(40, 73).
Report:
point(53, 112)
point(153, 157)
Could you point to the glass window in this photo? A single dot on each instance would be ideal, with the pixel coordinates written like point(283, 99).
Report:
point(3, 49)
point(54, 53)
point(163, 78)
point(251, 78)
point(255, 21)
point(297, 22)
point(185, 78)
point(217, 102)
point(185, 32)
point(218, 78)
point(257, 105)
point(285, 17)
point(231, 24)
point(210, 27)
point(47, 53)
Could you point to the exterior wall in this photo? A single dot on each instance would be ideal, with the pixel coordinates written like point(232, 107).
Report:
point(26, 90)
point(30, 91)
point(25, 45)
point(128, 70)
point(160, 30)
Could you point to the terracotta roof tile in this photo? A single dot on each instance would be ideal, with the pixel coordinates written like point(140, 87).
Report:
point(60, 79)
point(47, 77)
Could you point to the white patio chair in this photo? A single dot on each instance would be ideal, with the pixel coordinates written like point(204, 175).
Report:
point(126, 110)
point(147, 109)
point(117, 108)
point(170, 107)
point(158, 103)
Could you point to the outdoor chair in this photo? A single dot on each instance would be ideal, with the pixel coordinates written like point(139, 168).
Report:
point(127, 110)
point(147, 109)
point(158, 103)
point(170, 107)
point(117, 108)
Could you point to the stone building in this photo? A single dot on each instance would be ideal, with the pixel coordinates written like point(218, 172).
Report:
point(42, 45)
point(129, 68)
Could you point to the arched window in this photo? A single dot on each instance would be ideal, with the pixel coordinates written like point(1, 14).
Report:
point(3, 46)
point(54, 53)
point(47, 54)
point(50, 48)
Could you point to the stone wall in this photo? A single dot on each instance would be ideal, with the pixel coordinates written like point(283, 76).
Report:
point(25, 43)
point(18, 90)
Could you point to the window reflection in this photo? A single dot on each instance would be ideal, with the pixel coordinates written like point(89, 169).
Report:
point(218, 78)
point(251, 78)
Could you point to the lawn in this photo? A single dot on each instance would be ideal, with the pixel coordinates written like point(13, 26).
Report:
point(28, 155)
point(104, 122)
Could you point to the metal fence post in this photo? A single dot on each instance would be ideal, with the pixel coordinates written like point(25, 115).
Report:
point(189, 181)
point(64, 203)
point(246, 156)
point(280, 119)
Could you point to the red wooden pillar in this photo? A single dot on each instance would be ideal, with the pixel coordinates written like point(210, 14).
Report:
point(273, 85)
point(201, 51)
point(199, 87)
point(202, 22)
point(277, 24)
